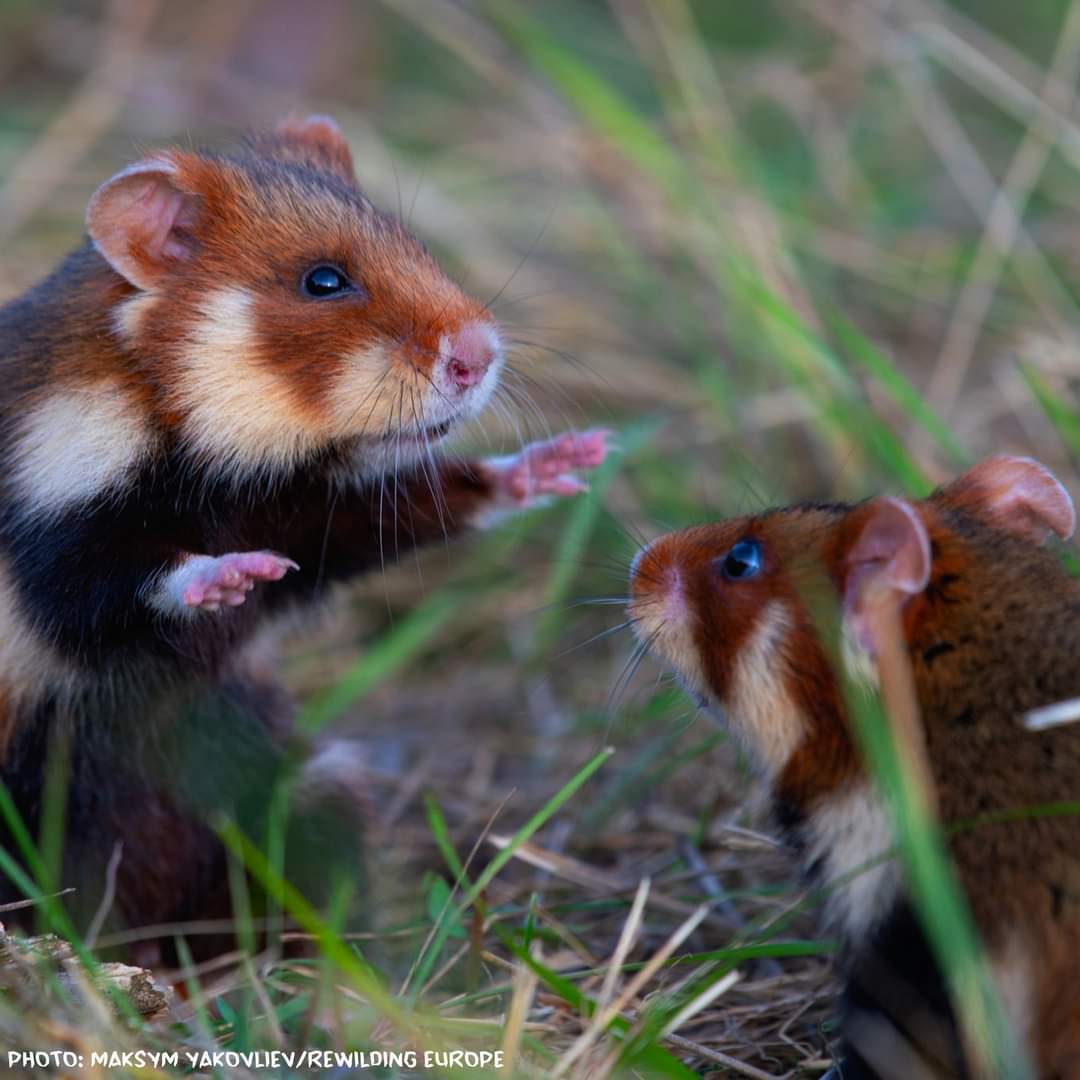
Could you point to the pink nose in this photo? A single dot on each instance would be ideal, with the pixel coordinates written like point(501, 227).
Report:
point(469, 353)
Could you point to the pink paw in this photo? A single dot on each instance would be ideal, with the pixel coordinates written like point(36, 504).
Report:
point(548, 468)
point(210, 583)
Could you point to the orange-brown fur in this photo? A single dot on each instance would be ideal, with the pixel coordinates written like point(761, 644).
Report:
point(995, 633)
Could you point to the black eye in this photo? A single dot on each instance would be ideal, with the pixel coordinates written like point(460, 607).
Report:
point(742, 561)
point(325, 281)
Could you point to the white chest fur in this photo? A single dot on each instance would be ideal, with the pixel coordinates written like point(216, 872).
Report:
point(850, 839)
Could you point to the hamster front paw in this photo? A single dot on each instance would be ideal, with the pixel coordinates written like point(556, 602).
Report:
point(548, 468)
point(208, 582)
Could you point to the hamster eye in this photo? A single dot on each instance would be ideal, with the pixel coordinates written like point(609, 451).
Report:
point(323, 281)
point(742, 561)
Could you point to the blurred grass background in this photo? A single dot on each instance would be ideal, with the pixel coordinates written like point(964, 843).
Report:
point(809, 248)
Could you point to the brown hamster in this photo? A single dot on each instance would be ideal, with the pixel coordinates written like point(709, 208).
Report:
point(234, 392)
point(991, 619)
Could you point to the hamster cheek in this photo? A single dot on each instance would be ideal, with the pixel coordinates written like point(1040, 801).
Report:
point(757, 703)
point(368, 396)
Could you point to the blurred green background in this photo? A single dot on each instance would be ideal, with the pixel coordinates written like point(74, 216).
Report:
point(789, 248)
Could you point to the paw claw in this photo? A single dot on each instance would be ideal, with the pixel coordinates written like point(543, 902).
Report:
point(208, 583)
point(548, 468)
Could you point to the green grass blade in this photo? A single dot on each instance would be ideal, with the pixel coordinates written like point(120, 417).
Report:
point(655, 1060)
point(581, 522)
point(809, 363)
point(936, 893)
point(383, 658)
point(899, 388)
point(1062, 417)
point(441, 832)
point(363, 977)
point(598, 102)
point(426, 961)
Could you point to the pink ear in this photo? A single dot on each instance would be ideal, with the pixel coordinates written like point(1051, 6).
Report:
point(1016, 494)
point(890, 554)
point(139, 221)
point(321, 140)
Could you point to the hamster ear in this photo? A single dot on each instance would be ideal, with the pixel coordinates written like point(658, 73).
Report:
point(890, 552)
point(1017, 494)
point(140, 221)
point(320, 140)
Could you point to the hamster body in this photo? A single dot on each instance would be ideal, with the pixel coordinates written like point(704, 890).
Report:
point(231, 395)
point(992, 625)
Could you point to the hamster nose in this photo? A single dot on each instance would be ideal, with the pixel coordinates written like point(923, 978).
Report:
point(469, 353)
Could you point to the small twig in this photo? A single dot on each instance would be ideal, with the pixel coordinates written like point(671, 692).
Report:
point(603, 1017)
point(726, 1060)
point(524, 984)
point(19, 905)
point(629, 935)
point(107, 897)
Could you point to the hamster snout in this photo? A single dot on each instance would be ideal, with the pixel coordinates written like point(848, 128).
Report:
point(655, 580)
point(468, 354)
point(660, 607)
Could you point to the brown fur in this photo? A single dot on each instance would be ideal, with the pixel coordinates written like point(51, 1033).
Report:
point(171, 392)
point(995, 633)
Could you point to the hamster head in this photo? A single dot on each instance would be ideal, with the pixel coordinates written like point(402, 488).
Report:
point(722, 606)
point(734, 607)
point(277, 314)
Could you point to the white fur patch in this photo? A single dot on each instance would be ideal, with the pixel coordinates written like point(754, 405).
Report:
point(846, 834)
point(76, 444)
point(860, 665)
point(372, 400)
point(163, 591)
point(492, 514)
point(759, 708)
point(340, 764)
point(129, 314)
point(1010, 968)
point(369, 399)
point(238, 415)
